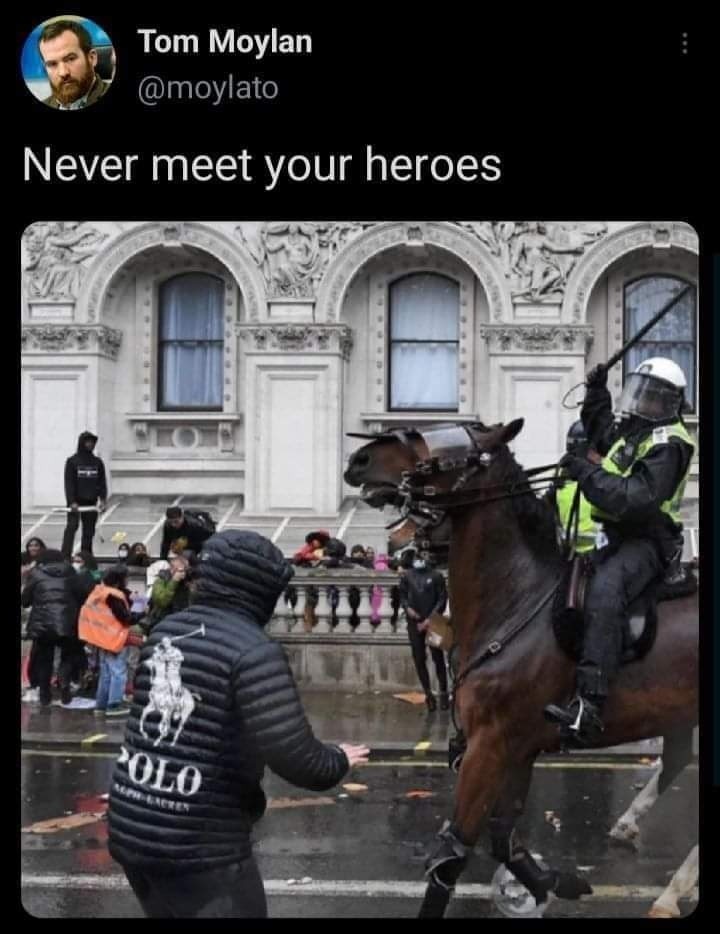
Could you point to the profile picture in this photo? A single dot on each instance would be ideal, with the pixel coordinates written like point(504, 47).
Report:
point(68, 62)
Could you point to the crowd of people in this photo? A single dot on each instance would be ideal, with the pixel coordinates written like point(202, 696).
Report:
point(65, 596)
point(420, 593)
point(57, 590)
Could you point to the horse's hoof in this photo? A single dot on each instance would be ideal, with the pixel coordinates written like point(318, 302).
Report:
point(511, 897)
point(571, 886)
point(625, 835)
point(661, 911)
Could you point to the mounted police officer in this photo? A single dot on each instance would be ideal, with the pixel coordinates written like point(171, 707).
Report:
point(636, 493)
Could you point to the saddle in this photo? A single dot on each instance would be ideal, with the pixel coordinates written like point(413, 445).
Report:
point(640, 629)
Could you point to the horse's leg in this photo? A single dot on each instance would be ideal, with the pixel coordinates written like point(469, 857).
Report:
point(482, 774)
point(676, 754)
point(681, 885)
point(508, 848)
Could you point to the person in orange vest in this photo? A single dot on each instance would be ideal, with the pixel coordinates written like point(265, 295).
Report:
point(113, 665)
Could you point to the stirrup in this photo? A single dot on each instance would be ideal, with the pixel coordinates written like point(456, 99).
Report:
point(576, 730)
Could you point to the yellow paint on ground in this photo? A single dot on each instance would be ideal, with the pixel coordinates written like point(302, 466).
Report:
point(89, 740)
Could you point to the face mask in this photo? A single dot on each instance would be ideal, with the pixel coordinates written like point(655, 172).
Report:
point(77, 565)
point(418, 564)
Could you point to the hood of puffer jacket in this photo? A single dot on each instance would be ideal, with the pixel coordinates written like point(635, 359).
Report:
point(244, 571)
point(81, 440)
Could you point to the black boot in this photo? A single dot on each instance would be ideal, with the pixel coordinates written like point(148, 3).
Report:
point(431, 703)
point(579, 721)
point(444, 700)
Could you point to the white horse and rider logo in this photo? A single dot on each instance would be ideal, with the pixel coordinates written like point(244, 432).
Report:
point(168, 696)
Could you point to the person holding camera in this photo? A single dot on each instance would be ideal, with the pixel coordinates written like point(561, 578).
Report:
point(171, 591)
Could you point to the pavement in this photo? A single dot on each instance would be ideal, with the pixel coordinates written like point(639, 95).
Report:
point(388, 725)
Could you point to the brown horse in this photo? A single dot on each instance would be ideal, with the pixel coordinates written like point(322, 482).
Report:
point(504, 567)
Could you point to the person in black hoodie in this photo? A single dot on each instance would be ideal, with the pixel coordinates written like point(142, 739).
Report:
point(85, 485)
point(215, 703)
point(423, 592)
point(181, 525)
point(50, 591)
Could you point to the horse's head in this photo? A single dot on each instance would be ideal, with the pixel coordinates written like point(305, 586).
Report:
point(441, 454)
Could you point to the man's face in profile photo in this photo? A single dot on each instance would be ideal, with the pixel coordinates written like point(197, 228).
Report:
point(70, 70)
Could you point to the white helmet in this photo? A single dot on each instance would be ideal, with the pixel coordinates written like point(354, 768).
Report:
point(665, 369)
point(654, 390)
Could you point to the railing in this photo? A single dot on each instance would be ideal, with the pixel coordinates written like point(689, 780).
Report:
point(339, 601)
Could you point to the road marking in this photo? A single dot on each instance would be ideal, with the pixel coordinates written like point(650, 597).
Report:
point(409, 762)
point(93, 738)
point(338, 887)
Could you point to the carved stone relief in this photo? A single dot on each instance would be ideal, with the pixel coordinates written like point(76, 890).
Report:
point(71, 339)
point(292, 256)
point(538, 338)
point(657, 234)
point(56, 256)
point(536, 256)
point(299, 338)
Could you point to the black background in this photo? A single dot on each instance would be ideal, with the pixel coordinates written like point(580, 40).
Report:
point(597, 115)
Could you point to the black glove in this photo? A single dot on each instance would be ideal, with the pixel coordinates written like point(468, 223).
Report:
point(597, 377)
point(575, 467)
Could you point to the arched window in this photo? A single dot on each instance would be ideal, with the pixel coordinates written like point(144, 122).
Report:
point(674, 336)
point(190, 351)
point(424, 313)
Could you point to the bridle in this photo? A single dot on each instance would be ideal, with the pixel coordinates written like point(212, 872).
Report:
point(452, 448)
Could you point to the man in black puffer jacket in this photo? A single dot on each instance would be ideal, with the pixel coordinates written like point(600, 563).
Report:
point(51, 591)
point(214, 703)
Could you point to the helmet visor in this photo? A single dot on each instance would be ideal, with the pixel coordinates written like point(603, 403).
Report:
point(649, 398)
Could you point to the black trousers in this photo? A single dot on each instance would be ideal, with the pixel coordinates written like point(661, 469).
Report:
point(621, 575)
point(234, 891)
point(419, 652)
point(88, 520)
point(42, 667)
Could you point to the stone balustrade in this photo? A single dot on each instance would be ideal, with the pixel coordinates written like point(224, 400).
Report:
point(339, 601)
point(323, 601)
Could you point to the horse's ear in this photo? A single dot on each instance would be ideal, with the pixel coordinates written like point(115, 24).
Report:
point(512, 429)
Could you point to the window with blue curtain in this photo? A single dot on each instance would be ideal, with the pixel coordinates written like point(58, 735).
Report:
point(424, 337)
point(674, 336)
point(190, 352)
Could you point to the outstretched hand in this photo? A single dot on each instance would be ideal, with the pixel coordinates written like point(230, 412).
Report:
point(356, 755)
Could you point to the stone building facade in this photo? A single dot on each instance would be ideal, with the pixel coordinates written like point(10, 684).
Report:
point(303, 345)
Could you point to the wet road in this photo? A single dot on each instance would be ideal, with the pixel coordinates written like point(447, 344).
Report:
point(364, 851)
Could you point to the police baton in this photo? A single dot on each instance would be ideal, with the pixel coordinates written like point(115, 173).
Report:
point(616, 357)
